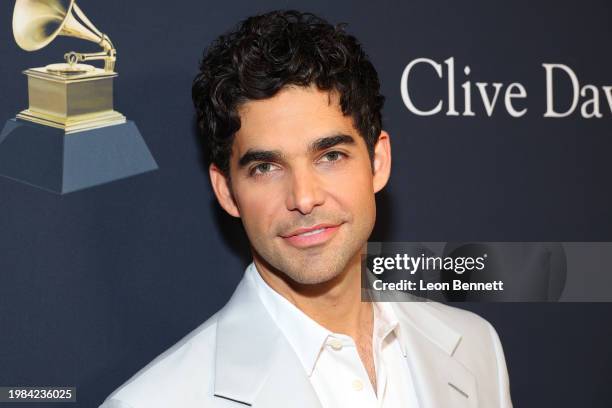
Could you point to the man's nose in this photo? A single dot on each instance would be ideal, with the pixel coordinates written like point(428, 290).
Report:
point(305, 191)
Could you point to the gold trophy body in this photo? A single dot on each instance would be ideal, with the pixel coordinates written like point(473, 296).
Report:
point(70, 137)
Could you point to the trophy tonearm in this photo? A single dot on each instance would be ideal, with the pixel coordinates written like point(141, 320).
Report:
point(36, 24)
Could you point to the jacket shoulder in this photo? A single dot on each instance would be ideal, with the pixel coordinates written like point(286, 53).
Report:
point(180, 376)
point(478, 338)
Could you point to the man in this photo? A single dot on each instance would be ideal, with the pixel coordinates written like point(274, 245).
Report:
point(289, 107)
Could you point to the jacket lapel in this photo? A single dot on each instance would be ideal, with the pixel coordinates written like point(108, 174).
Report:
point(255, 365)
point(287, 384)
point(440, 380)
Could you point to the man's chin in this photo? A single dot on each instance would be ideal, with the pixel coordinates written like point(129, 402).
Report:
point(308, 266)
point(310, 278)
point(316, 271)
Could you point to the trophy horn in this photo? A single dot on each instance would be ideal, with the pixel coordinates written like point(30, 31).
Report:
point(36, 23)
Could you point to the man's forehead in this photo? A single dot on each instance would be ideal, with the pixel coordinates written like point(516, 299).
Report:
point(291, 120)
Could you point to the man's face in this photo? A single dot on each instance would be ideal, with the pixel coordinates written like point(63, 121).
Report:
point(302, 183)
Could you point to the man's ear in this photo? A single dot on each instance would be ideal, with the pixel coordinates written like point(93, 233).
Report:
point(221, 187)
point(381, 161)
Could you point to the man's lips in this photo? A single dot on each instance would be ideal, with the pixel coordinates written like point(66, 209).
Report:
point(300, 231)
point(315, 235)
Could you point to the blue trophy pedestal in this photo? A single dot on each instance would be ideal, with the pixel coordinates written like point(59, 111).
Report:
point(50, 159)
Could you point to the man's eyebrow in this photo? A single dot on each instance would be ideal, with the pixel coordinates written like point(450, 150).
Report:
point(276, 156)
point(260, 155)
point(330, 141)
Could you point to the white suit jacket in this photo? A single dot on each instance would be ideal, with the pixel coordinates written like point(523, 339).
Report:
point(239, 358)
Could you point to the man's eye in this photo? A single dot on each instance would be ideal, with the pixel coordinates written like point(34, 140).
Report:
point(261, 168)
point(333, 156)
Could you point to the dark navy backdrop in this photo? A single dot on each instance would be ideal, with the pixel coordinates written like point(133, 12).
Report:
point(95, 284)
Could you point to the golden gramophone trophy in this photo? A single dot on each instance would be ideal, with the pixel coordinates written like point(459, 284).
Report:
point(70, 137)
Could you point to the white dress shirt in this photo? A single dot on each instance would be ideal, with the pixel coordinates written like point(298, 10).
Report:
point(331, 360)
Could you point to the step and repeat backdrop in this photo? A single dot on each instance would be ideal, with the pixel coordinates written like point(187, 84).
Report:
point(500, 117)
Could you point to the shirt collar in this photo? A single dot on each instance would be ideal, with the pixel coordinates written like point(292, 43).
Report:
point(306, 336)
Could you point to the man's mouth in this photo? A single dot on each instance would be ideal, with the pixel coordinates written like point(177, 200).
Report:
point(311, 236)
point(305, 234)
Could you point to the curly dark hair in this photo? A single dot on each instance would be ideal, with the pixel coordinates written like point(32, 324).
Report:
point(277, 49)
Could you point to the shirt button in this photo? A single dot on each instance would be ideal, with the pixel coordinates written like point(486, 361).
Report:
point(357, 385)
point(335, 344)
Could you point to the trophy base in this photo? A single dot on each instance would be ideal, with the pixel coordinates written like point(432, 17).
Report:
point(52, 159)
